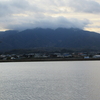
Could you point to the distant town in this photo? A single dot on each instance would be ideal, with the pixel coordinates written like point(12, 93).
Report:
point(50, 56)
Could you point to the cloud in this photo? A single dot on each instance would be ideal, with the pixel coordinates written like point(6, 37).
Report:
point(7, 8)
point(46, 22)
point(88, 6)
point(23, 14)
point(48, 6)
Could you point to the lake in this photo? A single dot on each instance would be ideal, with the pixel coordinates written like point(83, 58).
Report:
point(58, 80)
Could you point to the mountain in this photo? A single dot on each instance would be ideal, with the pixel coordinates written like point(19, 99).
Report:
point(49, 38)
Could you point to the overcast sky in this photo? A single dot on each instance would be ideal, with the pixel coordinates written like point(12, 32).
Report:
point(24, 14)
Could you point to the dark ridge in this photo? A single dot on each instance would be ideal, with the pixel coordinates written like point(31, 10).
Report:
point(49, 38)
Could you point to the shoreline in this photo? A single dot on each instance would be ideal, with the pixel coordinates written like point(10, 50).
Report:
point(51, 59)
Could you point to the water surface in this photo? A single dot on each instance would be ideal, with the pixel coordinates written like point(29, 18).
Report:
point(73, 80)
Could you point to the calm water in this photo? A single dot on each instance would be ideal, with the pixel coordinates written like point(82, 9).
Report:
point(50, 80)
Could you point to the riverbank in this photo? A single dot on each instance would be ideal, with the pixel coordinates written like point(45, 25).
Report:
point(50, 59)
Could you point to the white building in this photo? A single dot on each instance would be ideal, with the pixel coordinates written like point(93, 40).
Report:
point(96, 56)
point(86, 57)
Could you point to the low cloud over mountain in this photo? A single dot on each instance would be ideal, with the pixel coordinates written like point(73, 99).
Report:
point(24, 14)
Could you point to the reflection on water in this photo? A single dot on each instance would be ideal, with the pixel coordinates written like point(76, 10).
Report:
point(50, 80)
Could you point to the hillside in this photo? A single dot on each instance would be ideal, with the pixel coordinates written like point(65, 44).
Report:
point(49, 38)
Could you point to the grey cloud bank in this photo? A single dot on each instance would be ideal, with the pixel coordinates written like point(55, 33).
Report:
point(23, 14)
point(88, 6)
point(50, 22)
point(7, 8)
